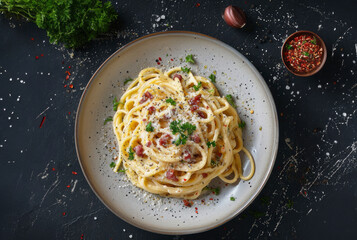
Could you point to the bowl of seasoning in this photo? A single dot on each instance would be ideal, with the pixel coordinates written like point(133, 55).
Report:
point(304, 53)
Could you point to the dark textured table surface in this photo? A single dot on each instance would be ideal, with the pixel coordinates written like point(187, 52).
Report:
point(312, 191)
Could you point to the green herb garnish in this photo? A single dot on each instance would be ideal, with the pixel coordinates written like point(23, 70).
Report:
point(241, 124)
point(149, 127)
point(214, 163)
point(116, 104)
point(128, 80)
point(189, 59)
point(177, 127)
point(209, 144)
point(215, 191)
point(185, 70)
point(289, 47)
point(131, 153)
point(196, 87)
point(73, 23)
point(303, 42)
point(171, 101)
point(313, 41)
point(229, 99)
point(290, 204)
point(122, 170)
point(108, 119)
point(232, 198)
point(306, 53)
point(213, 78)
point(112, 164)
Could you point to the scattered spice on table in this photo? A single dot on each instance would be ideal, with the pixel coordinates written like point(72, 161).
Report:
point(303, 53)
point(43, 120)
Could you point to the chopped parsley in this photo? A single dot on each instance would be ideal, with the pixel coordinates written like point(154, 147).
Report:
point(313, 41)
point(122, 170)
point(108, 119)
point(112, 164)
point(232, 198)
point(306, 53)
point(185, 70)
point(289, 46)
point(241, 124)
point(211, 91)
point(215, 191)
point(116, 104)
point(182, 129)
point(303, 42)
point(290, 204)
point(229, 99)
point(214, 163)
point(128, 80)
point(209, 144)
point(149, 127)
point(196, 87)
point(189, 59)
point(171, 101)
point(213, 78)
point(131, 153)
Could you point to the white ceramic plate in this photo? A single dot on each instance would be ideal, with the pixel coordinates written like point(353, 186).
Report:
point(95, 142)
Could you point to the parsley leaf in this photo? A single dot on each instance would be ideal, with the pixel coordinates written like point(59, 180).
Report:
point(215, 191)
point(313, 41)
point(229, 99)
point(213, 78)
point(131, 153)
point(303, 42)
point(108, 119)
point(185, 70)
point(73, 23)
point(177, 127)
point(128, 80)
point(174, 126)
point(306, 53)
point(112, 164)
point(189, 59)
point(171, 101)
point(289, 46)
point(116, 104)
point(214, 163)
point(190, 128)
point(241, 124)
point(122, 170)
point(290, 204)
point(198, 86)
point(209, 144)
point(149, 127)
point(232, 198)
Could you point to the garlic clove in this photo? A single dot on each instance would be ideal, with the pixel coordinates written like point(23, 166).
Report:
point(234, 17)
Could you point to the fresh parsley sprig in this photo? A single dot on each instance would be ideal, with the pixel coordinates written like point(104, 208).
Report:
point(149, 127)
point(189, 59)
point(116, 104)
point(108, 119)
point(131, 153)
point(185, 70)
point(112, 164)
point(182, 129)
point(241, 124)
point(213, 78)
point(209, 144)
point(197, 87)
point(229, 99)
point(128, 80)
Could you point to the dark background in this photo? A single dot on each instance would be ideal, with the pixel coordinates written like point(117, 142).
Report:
point(312, 192)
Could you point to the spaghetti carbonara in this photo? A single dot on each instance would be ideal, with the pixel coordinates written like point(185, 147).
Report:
point(176, 134)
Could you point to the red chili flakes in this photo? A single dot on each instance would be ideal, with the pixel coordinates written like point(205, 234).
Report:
point(71, 86)
point(158, 63)
point(69, 66)
point(160, 59)
point(53, 169)
point(37, 57)
point(32, 39)
point(82, 236)
point(43, 120)
point(67, 77)
point(74, 173)
point(69, 113)
point(211, 199)
point(187, 203)
point(42, 55)
point(64, 214)
point(198, 4)
point(65, 85)
point(334, 83)
point(68, 186)
point(196, 210)
point(67, 72)
point(171, 59)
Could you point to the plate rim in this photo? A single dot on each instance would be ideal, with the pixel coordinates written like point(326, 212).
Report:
point(274, 150)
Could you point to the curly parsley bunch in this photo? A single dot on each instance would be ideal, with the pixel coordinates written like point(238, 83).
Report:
point(72, 22)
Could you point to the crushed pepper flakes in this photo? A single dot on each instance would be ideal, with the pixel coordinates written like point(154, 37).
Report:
point(74, 173)
point(43, 120)
point(71, 86)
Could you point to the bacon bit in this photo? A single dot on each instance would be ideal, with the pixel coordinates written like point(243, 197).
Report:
point(139, 150)
point(43, 120)
point(204, 175)
point(68, 186)
point(160, 59)
point(164, 140)
point(36, 57)
point(187, 203)
point(71, 85)
point(195, 100)
point(194, 108)
point(144, 119)
point(225, 125)
point(186, 155)
point(67, 77)
point(147, 95)
point(74, 173)
point(170, 174)
point(64, 214)
point(151, 109)
point(178, 76)
point(207, 107)
point(201, 114)
point(53, 169)
point(196, 138)
point(148, 144)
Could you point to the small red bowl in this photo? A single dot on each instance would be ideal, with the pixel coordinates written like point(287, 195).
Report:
point(319, 42)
